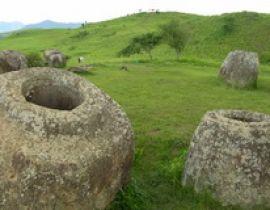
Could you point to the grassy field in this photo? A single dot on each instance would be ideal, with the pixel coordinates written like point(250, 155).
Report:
point(164, 99)
point(165, 102)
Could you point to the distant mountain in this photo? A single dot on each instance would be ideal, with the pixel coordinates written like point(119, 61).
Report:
point(3, 35)
point(48, 24)
point(10, 26)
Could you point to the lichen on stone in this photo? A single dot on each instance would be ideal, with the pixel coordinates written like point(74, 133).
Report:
point(57, 156)
point(229, 157)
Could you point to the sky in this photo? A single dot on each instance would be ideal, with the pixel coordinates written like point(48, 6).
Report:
point(31, 11)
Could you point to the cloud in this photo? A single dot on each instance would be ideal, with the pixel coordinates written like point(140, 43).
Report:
point(30, 11)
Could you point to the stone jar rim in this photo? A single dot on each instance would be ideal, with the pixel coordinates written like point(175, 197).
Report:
point(45, 120)
point(242, 117)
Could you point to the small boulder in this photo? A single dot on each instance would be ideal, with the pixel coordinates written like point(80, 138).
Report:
point(80, 59)
point(54, 58)
point(124, 68)
point(12, 61)
point(81, 68)
point(240, 69)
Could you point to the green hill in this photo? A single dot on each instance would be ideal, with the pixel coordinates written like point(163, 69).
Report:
point(211, 37)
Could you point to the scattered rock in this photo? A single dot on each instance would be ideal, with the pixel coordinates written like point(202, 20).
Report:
point(12, 61)
point(124, 68)
point(80, 59)
point(81, 68)
point(240, 69)
point(54, 58)
point(229, 157)
point(64, 143)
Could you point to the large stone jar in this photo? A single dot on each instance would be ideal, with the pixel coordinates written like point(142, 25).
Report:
point(12, 61)
point(64, 143)
point(240, 69)
point(55, 58)
point(229, 157)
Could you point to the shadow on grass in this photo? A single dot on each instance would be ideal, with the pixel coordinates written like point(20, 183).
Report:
point(85, 74)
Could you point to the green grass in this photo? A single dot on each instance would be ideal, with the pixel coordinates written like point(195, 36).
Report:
point(165, 102)
point(164, 99)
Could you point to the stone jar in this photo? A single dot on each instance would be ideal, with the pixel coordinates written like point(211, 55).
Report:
point(240, 69)
point(229, 157)
point(64, 143)
point(12, 61)
point(54, 58)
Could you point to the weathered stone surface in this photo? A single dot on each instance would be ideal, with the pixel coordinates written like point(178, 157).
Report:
point(229, 156)
point(65, 144)
point(12, 61)
point(240, 69)
point(54, 58)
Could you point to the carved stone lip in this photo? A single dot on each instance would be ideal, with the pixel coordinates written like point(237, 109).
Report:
point(238, 117)
point(18, 83)
point(42, 119)
point(52, 94)
point(87, 111)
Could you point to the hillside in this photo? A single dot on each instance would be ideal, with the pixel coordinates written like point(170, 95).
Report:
point(211, 37)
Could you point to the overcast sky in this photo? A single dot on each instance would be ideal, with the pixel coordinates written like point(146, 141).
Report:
point(30, 11)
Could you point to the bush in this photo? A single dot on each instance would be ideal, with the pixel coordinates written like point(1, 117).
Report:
point(72, 48)
point(175, 36)
point(264, 57)
point(229, 25)
point(131, 197)
point(174, 169)
point(68, 57)
point(80, 35)
point(141, 44)
point(250, 16)
point(34, 59)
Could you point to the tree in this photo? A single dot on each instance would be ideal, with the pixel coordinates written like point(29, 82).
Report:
point(140, 44)
point(34, 59)
point(175, 36)
point(229, 25)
